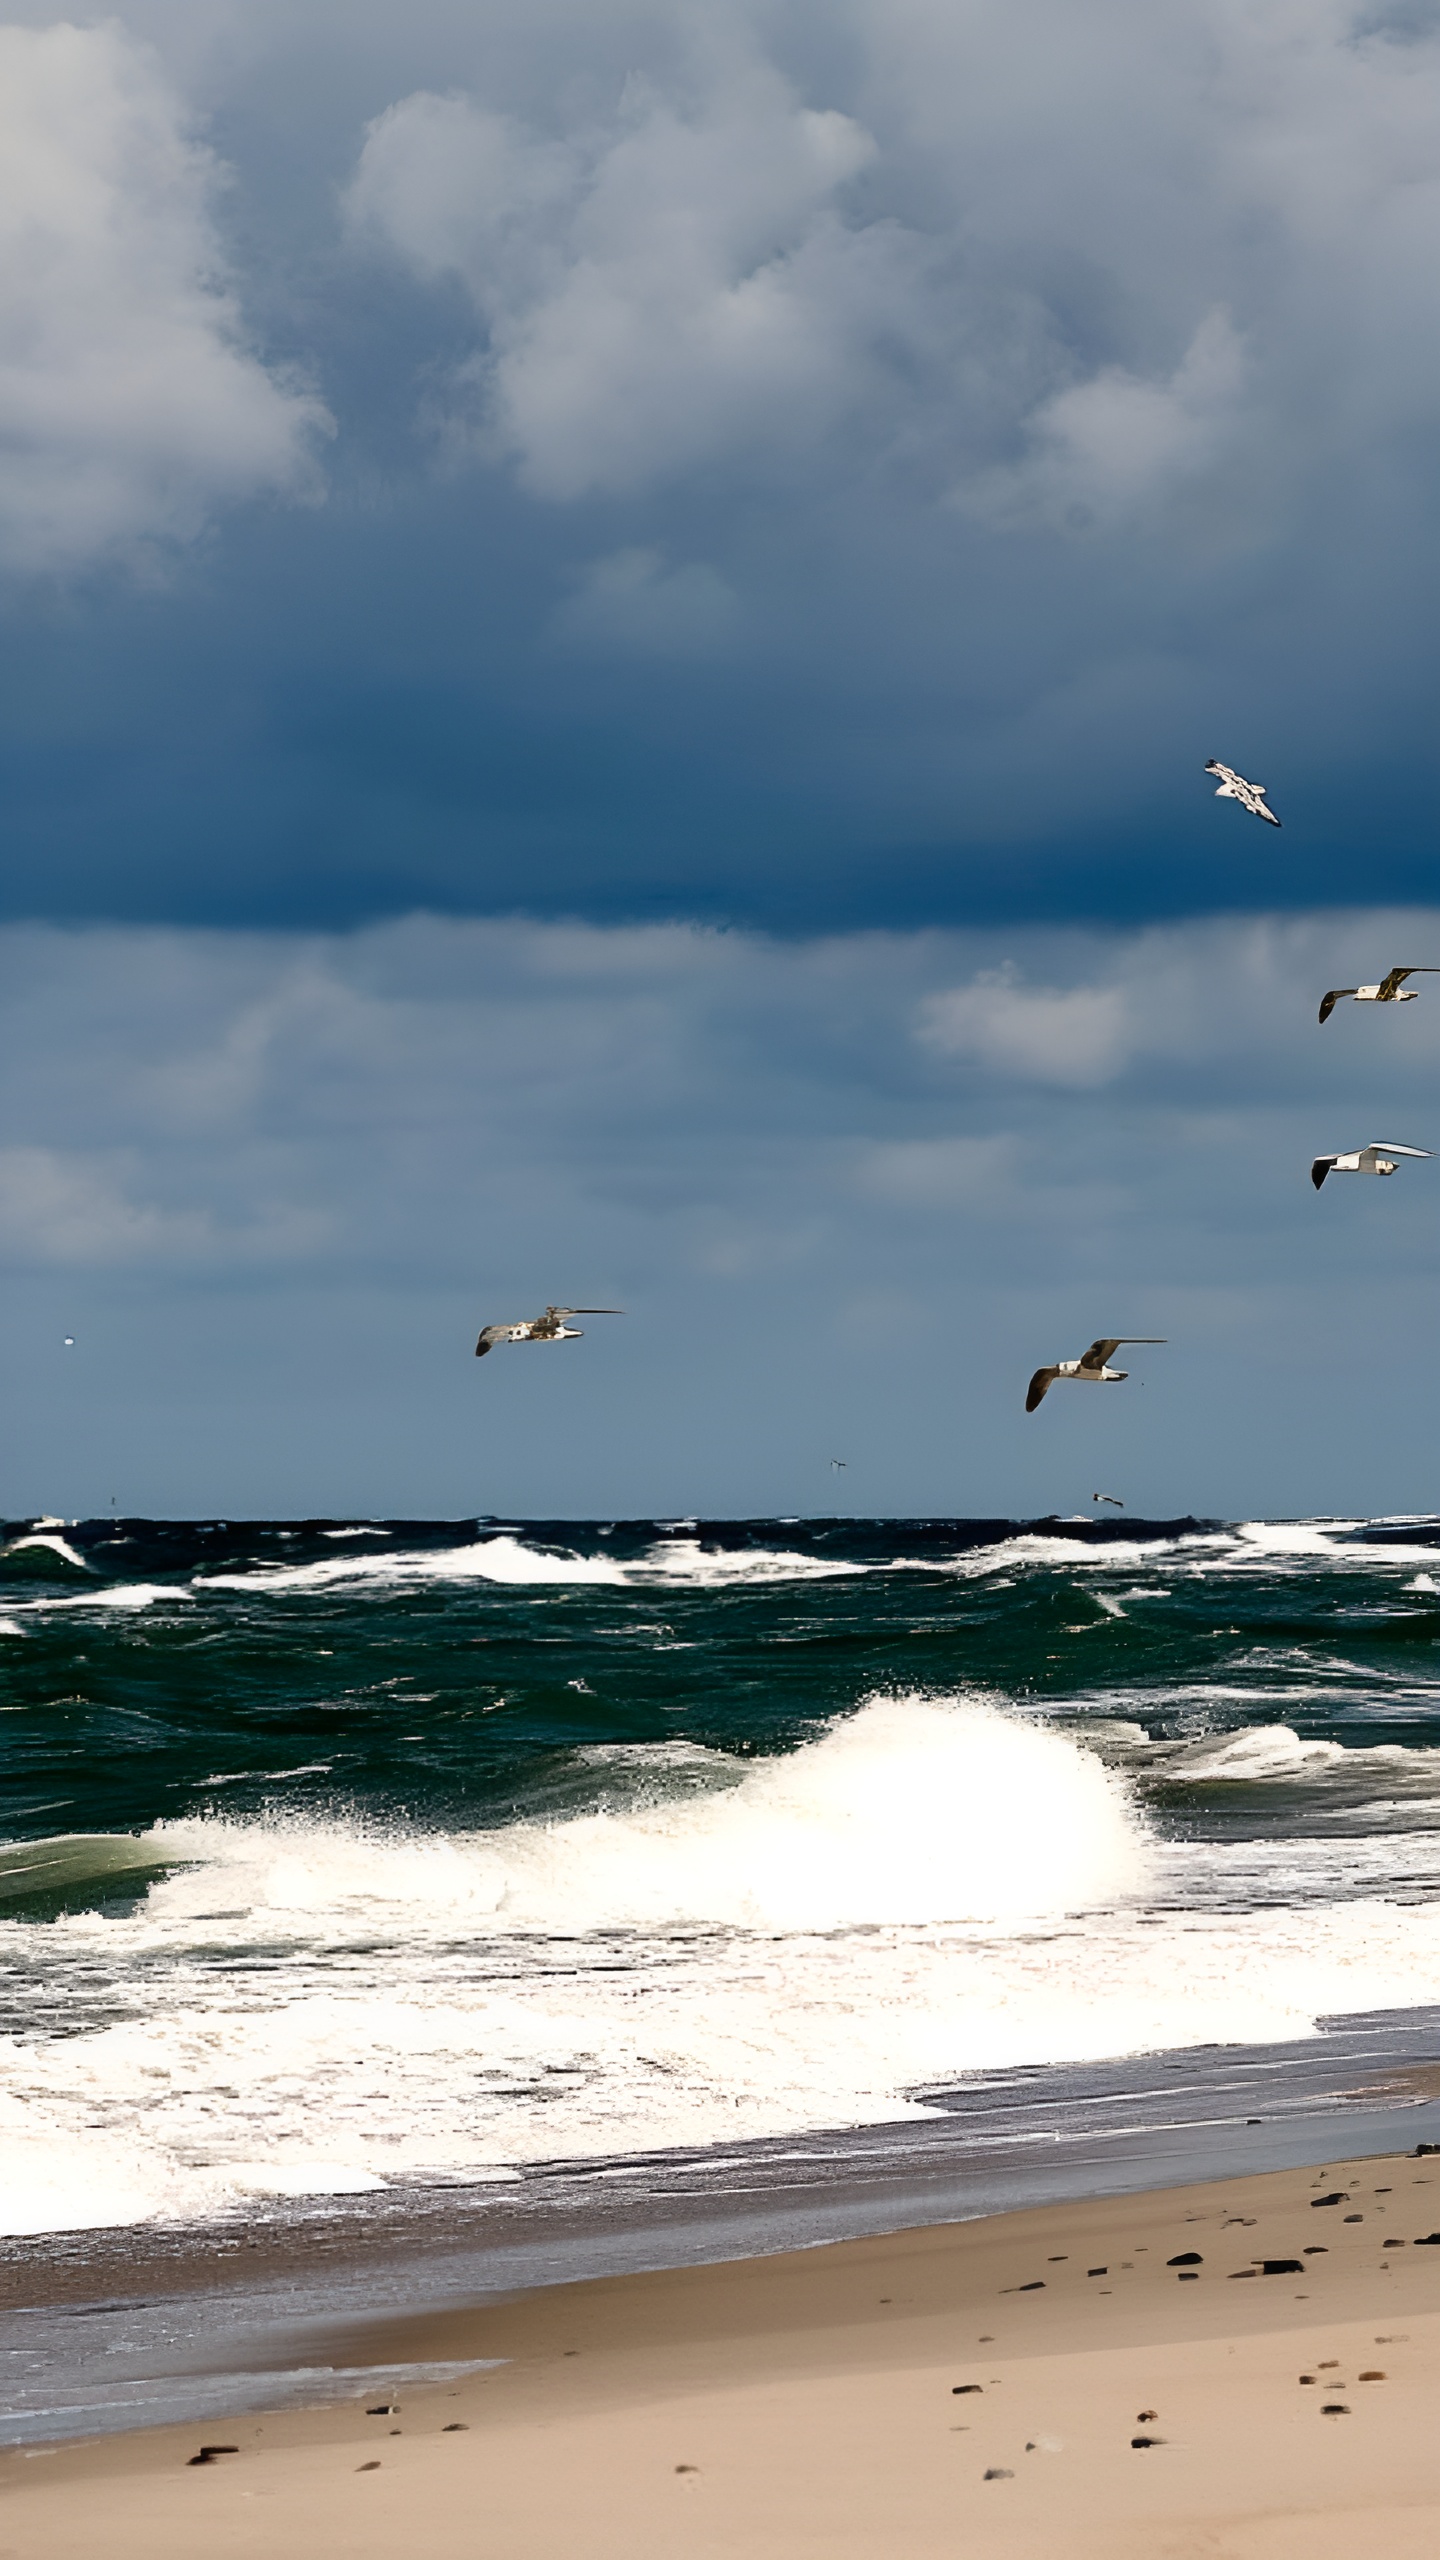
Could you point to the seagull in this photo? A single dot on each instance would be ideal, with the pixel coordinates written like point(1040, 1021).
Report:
point(839, 1462)
point(1091, 1364)
point(1108, 1497)
point(551, 1327)
point(1389, 991)
point(1233, 786)
point(1378, 1157)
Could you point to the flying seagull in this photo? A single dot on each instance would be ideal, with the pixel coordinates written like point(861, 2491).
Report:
point(1108, 1497)
point(839, 1462)
point(1390, 990)
point(1233, 786)
point(1378, 1157)
point(551, 1327)
point(1091, 1364)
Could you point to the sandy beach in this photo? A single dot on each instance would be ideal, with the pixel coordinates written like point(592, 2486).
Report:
point(1242, 2368)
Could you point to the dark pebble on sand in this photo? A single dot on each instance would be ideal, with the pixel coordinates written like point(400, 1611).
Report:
point(1334, 2409)
point(1339, 2197)
point(1142, 2444)
point(1392, 2244)
point(1187, 2258)
point(959, 2389)
point(1372, 2376)
point(455, 2427)
point(687, 2466)
point(1097, 2271)
point(1282, 2266)
point(1430, 2241)
point(367, 2466)
point(996, 2474)
point(208, 2453)
point(1354, 2217)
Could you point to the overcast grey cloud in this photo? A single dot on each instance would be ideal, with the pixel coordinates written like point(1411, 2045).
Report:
point(273, 1185)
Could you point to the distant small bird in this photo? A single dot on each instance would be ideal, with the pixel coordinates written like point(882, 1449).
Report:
point(1378, 1157)
point(1090, 1365)
point(839, 1462)
point(69, 1341)
point(551, 1327)
point(1390, 990)
point(1108, 1497)
point(1233, 786)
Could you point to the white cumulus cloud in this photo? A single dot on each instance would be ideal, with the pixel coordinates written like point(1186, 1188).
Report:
point(654, 288)
point(1107, 447)
point(130, 403)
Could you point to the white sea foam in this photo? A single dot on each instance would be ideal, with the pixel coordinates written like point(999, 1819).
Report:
point(685, 1562)
point(908, 1812)
point(488, 1560)
point(678, 1561)
point(930, 1887)
point(111, 1595)
point(60, 1547)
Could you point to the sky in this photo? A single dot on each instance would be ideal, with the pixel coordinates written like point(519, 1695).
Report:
point(610, 620)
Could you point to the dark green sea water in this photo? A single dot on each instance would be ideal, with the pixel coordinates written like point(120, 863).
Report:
point(340, 1854)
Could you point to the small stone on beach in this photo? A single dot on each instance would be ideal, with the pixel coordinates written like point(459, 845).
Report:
point(995, 2473)
point(367, 2466)
point(1334, 2409)
point(455, 2427)
point(209, 2453)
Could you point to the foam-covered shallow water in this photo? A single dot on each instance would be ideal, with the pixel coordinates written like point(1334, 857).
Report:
point(348, 1859)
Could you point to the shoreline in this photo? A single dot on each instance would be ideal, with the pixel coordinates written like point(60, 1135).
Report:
point(139, 2325)
point(985, 2380)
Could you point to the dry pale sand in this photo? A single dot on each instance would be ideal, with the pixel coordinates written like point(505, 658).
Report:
point(1041, 2383)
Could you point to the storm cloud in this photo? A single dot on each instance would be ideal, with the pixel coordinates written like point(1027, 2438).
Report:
point(809, 471)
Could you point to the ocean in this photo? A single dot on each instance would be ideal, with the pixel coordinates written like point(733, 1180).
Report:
point(351, 1859)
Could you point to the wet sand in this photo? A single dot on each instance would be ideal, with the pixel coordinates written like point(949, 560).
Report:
point(1044, 2382)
